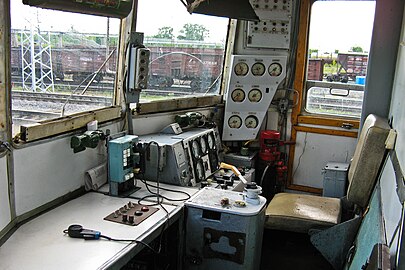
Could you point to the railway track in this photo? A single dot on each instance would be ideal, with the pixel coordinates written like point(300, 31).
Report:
point(61, 98)
point(33, 116)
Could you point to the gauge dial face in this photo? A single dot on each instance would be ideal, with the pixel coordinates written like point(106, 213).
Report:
point(235, 121)
point(238, 95)
point(258, 69)
point(199, 171)
point(195, 148)
point(203, 144)
point(241, 69)
point(275, 69)
point(251, 121)
point(255, 95)
point(211, 141)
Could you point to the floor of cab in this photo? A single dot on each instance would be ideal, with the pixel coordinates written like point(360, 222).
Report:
point(288, 250)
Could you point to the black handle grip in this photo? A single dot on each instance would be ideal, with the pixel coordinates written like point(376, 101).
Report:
point(77, 231)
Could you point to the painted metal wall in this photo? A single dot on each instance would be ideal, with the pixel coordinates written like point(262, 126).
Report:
point(314, 151)
point(397, 112)
point(5, 216)
point(49, 170)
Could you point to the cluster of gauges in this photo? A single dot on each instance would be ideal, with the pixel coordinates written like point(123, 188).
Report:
point(254, 95)
point(201, 147)
point(258, 69)
point(235, 121)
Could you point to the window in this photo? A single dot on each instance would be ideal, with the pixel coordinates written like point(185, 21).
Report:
point(339, 42)
point(187, 51)
point(61, 63)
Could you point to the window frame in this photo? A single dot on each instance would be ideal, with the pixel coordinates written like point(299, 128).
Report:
point(299, 113)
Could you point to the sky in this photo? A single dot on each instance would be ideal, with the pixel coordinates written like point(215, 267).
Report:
point(335, 25)
point(340, 25)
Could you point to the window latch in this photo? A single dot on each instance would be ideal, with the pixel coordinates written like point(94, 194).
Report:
point(347, 125)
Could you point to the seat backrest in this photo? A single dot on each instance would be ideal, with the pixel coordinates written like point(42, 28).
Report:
point(369, 153)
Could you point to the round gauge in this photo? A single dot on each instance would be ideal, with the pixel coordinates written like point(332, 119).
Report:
point(195, 148)
point(203, 144)
point(234, 121)
point(258, 69)
point(241, 69)
point(275, 69)
point(251, 121)
point(199, 171)
point(238, 95)
point(211, 141)
point(255, 95)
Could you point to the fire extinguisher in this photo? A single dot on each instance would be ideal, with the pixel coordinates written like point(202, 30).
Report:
point(272, 163)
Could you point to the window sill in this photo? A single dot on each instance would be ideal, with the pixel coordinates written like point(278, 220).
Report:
point(69, 123)
point(177, 104)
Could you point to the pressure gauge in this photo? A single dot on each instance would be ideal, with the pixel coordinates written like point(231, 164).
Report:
point(238, 95)
point(195, 149)
point(258, 69)
point(234, 121)
point(251, 121)
point(203, 144)
point(211, 141)
point(255, 95)
point(275, 69)
point(241, 69)
point(199, 171)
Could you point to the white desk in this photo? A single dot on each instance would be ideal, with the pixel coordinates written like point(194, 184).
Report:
point(41, 243)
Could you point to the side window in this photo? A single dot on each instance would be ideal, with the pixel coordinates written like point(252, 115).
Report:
point(62, 63)
point(187, 51)
point(339, 43)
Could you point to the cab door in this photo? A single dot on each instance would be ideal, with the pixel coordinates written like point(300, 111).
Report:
point(332, 58)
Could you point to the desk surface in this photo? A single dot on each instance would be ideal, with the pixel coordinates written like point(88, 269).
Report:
point(41, 243)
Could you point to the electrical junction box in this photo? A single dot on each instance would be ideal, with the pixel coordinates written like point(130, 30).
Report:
point(334, 179)
point(223, 237)
point(121, 161)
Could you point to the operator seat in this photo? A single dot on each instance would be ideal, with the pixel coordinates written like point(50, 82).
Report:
point(301, 213)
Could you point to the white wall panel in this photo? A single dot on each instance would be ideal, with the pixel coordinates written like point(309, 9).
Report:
point(46, 171)
point(391, 205)
point(313, 151)
point(5, 216)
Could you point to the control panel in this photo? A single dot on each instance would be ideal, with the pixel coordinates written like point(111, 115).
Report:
point(131, 214)
point(274, 28)
point(121, 162)
point(253, 82)
point(184, 159)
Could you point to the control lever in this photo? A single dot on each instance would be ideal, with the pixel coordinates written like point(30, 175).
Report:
point(234, 170)
point(77, 231)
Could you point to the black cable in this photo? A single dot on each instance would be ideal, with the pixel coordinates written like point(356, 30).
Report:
point(129, 240)
point(147, 185)
point(157, 195)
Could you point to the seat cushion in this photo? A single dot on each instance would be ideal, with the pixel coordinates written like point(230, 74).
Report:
point(299, 212)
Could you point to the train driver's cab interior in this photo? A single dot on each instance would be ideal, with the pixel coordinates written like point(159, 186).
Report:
point(202, 134)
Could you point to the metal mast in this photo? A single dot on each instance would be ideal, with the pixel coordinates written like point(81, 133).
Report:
point(36, 61)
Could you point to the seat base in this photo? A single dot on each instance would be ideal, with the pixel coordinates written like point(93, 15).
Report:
point(300, 213)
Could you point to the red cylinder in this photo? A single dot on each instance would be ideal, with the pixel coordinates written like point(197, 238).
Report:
point(269, 142)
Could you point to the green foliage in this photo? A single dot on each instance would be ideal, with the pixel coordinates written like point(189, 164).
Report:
point(165, 32)
point(356, 49)
point(193, 32)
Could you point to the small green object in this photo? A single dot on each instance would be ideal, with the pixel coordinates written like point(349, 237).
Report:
point(244, 151)
point(88, 139)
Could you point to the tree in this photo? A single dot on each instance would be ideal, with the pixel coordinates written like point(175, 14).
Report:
point(193, 32)
point(165, 32)
point(356, 49)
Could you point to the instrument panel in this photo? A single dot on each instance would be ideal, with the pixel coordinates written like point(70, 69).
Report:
point(188, 158)
point(251, 88)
